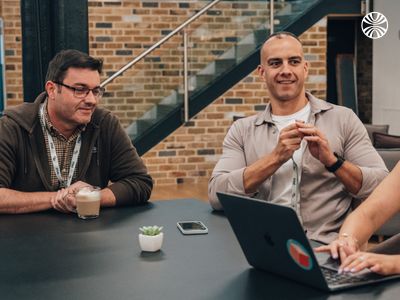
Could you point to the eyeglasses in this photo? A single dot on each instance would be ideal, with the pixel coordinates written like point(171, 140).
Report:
point(82, 92)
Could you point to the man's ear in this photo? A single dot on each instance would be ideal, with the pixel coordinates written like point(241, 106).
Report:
point(261, 71)
point(306, 68)
point(51, 89)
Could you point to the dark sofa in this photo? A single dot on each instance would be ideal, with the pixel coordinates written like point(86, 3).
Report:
point(381, 140)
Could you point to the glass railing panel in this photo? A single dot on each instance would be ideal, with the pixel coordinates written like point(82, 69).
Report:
point(230, 32)
point(149, 90)
point(289, 11)
point(223, 37)
point(153, 88)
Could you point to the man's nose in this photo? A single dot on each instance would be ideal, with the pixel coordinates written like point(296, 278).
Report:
point(285, 70)
point(90, 97)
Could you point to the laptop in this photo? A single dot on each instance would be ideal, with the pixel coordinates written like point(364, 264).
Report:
point(273, 240)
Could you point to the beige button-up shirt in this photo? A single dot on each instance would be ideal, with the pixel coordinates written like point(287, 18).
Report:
point(324, 201)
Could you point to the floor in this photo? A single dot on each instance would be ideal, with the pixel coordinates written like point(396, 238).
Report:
point(178, 191)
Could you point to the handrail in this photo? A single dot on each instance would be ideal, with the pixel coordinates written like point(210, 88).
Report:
point(159, 43)
point(271, 17)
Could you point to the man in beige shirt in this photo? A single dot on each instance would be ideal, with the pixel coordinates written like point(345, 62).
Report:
point(301, 151)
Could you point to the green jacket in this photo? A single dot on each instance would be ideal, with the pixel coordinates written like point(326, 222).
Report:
point(106, 155)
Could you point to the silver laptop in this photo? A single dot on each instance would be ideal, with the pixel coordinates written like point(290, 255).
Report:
point(273, 240)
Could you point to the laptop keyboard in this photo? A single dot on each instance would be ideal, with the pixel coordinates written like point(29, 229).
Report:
point(332, 277)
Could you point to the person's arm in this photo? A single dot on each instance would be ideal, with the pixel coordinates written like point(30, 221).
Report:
point(107, 198)
point(318, 145)
point(255, 174)
point(380, 206)
point(15, 202)
point(363, 168)
point(232, 174)
point(65, 199)
point(131, 183)
point(358, 227)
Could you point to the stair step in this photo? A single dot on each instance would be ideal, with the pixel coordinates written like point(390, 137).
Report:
point(260, 35)
point(221, 65)
point(203, 80)
point(243, 50)
point(164, 109)
point(143, 124)
point(283, 20)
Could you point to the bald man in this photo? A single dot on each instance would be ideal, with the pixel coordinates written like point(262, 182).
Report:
point(301, 151)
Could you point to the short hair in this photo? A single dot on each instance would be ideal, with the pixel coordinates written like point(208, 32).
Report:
point(71, 58)
point(281, 34)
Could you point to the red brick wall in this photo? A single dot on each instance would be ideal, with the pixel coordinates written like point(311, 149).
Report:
point(120, 30)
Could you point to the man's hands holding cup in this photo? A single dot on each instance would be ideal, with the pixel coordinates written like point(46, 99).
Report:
point(65, 199)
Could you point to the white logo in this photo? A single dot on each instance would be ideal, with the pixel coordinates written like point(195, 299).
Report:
point(374, 25)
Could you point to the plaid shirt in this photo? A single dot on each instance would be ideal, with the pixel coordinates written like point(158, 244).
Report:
point(64, 150)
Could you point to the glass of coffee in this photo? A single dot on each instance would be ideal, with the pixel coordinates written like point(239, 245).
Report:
point(88, 202)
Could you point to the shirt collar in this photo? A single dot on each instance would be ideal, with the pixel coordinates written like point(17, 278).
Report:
point(53, 130)
point(317, 106)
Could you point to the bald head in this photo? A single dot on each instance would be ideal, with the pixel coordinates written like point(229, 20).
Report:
point(282, 35)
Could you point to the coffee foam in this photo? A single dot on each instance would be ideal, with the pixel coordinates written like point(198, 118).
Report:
point(88, 195)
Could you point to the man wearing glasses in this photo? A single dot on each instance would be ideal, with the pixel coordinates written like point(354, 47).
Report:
point(63, 141)
point(301, 151)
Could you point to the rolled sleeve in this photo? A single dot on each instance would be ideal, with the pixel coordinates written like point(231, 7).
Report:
point(371, 178)
point(360, 152)
point(231, 182)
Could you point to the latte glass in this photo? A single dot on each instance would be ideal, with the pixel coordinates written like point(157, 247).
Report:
point(88, 202)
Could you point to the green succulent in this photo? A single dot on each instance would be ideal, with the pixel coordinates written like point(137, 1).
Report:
point(151, 230)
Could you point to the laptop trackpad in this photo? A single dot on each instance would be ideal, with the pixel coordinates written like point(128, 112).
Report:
point(324, 259)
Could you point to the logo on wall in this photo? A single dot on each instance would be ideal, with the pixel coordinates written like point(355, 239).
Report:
point(299, 254)
point(374, 25)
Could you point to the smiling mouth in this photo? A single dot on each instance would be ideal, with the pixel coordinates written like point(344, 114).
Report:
point(286, 81)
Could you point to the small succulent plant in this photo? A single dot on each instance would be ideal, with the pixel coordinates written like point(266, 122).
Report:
point(151, 230)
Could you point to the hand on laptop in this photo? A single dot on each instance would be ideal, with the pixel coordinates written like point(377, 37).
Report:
point(342, 247)
point(378, 263)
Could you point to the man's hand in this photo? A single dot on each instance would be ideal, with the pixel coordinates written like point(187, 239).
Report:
point(317, 144)
point(65, 200)
point(289, 141)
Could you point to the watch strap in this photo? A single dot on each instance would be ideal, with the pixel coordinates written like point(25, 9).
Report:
point(340, 160)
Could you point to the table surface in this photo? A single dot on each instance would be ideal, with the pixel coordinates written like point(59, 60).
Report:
point(55, 256)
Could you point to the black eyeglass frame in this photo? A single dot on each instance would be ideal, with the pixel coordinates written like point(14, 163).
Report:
point(97, 92)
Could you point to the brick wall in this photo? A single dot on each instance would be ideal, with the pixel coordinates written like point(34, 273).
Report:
point(120, 30)
point(10, 12)
point(190, 153)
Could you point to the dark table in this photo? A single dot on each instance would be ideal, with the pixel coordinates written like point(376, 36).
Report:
point(55, 256)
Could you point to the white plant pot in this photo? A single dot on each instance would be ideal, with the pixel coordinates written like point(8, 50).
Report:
point(151, 243)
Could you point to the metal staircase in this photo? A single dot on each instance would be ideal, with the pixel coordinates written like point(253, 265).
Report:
point(232, 65)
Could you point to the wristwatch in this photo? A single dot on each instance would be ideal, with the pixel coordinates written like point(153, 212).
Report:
point(337, 164)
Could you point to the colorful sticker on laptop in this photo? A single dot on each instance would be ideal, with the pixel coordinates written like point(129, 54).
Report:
point(299, 254)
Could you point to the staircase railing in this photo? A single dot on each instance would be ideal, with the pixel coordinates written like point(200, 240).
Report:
point(185, 51)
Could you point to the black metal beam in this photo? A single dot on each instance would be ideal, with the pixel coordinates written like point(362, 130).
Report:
point(49, 26)
point(208, 94)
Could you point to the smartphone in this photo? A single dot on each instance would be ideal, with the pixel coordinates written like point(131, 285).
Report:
point(192, 227)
